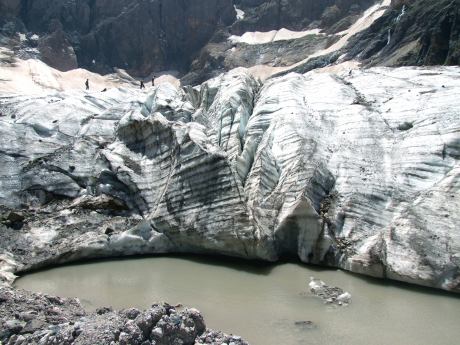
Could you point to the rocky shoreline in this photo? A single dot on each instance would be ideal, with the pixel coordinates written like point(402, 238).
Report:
point(30, 318)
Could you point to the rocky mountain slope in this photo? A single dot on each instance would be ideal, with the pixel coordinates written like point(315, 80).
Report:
point(412, 33)
point(137, 35)
point(266, 15)
point(146, 37)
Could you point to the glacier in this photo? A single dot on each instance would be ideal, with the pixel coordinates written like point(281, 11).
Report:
point(358, 171)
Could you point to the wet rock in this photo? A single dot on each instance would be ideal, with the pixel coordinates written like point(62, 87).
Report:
point(329, 294)
point(109, 231)
point(55, 300)
point(104, 310)
point(131, 313)
point(15, 216)
point(305, 324)
point(13, 219)
point(216, 337)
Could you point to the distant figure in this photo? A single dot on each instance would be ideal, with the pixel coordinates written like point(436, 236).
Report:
point(87, 84)
point(350, 73)
point(142, 85)
point(153, 80)
point(104, 90)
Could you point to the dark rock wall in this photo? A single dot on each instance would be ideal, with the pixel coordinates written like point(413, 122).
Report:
point(146, 36)
point(10, 7)
point(152, 35)
point(428, 33)
point(266, 15)
point(142, 36)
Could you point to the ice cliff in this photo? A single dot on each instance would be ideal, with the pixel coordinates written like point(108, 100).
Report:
point(358, 171)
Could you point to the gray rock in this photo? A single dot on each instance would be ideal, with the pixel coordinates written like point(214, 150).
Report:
point(13, 326)
point(329, 294)
point(104, 310)
point(27, 316)
point(131, 313)
point(33, 326)
point(147, 320)
point(131, 334)
point(56, 50)
point(215, 337)
point(110, 327)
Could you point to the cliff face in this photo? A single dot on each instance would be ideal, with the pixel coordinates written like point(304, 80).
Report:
point(192, 37)
point(266, 15)
point(137, 35)
point(10, 7)
point(415, 32)
point(359, 172)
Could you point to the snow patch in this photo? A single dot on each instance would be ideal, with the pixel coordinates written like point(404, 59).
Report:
point(34, 77)
point(258, 37)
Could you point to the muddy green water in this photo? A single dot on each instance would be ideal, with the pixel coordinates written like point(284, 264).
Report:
point(262, 302)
